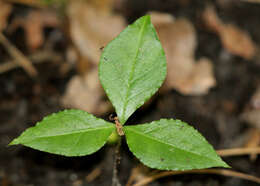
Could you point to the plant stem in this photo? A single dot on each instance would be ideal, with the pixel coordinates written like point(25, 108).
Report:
point(117, 158)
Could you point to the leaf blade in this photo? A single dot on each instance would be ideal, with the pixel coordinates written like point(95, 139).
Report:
point(132, 67)
point(171, 145)
point(69, 133)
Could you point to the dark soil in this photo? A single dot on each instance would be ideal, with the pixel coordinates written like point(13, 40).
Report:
point(24, 101)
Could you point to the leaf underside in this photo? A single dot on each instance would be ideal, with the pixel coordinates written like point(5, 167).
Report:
point(69, 133)
point(132, 67)
point(171, 145)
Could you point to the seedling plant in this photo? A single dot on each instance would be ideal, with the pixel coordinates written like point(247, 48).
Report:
point(132, 67)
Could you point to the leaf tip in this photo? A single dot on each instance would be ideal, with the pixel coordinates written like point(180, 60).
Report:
point(13, 142)
point(225, 165)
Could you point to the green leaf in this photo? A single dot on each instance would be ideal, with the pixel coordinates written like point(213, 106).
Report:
point(132, 67)
point(171, 145)
point(68, 133)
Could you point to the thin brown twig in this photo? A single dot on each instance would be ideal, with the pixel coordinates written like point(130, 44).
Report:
point(18, 56)
point(223, 172)
point(37, 57)
point(117, 158)
point(94, 174)
point(238, 151)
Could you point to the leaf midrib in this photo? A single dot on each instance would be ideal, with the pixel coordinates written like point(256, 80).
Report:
point(134, 131)
point(133, 68)
point(64, 134)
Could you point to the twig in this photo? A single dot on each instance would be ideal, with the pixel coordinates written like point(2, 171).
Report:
point(94, 174)
point(223, 172)
point(238, 151)
point(18, 56)
point(115, 180)
point(37, 57)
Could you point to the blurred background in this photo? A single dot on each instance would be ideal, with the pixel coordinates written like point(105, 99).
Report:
point(49, 53)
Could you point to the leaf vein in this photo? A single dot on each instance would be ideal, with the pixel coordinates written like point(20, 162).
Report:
point(74, 132)
point(170, 144)
point(133, 66)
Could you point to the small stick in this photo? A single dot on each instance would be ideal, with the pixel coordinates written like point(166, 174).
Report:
point(94, 174)
point(18, 56)
point(238, 151)
point(223, 172)
point(37, 57)
point(117, 158)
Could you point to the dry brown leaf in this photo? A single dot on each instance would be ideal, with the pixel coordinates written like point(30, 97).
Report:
point(5, 11)
point(86, 93)
point(179, 42)
point(33, 24)
point(93, 25)
point(211, 19)
point(200, 79)
point(235, 40)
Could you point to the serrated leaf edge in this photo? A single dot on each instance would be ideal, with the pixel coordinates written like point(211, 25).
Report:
point(167, 168)
point(63, 134)
point(112, 126)
point(140, 38)
point(122, 121)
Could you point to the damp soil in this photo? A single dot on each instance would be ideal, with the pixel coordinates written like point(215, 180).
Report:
point(24, 101)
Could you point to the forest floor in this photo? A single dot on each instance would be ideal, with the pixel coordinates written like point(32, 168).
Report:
point(221, 111)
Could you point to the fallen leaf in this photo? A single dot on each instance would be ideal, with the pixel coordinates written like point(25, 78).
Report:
point(235, 40)
point(5, 11)
point(34, 24)
point(85, 92)
point(200, 79)
point(92, 25)
point(179, 41)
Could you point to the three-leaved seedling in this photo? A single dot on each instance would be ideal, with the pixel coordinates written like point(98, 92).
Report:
point(131, 69)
